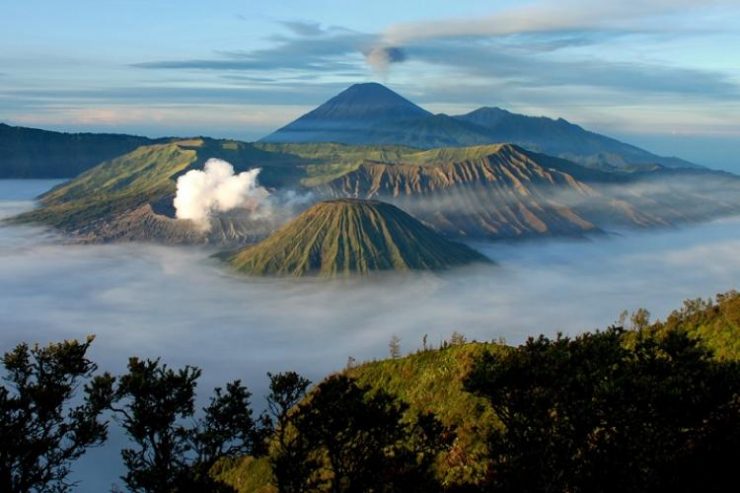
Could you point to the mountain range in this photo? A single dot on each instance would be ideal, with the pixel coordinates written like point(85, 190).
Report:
point(372, 114)
point(485, 192)
point(367, 114)
point(455, 190)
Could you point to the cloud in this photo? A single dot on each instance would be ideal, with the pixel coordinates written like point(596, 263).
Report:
point(527, 71)
point(304, 28)
point(510, 50)
point(215, 189)
point(334, 50)
point(547, 17)
point(507, 45)
point(381, 57)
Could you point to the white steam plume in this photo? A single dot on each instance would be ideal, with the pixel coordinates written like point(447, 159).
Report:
point(216, 188)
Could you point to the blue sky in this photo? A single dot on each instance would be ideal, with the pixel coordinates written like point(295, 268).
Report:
point(663, 74)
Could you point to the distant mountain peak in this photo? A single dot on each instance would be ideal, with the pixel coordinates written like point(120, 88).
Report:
point(373, 93)
point(347, 115)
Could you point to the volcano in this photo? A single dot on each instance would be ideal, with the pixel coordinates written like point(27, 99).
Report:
point(349, 236)
point(348, 115)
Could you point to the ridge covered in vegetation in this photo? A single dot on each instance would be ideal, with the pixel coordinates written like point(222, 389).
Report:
point(494, 191)
point(453, 382)
point(34, 153)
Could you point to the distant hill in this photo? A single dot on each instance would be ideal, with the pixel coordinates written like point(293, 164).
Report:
point(129, 198)
point(347, 236)
point(490, 191)
point(34, 153)
point(372, 114)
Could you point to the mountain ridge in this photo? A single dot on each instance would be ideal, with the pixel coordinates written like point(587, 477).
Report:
point(35, 153)
point(330, 122)
point(497, 191)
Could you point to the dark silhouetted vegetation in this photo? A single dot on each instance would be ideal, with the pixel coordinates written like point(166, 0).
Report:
point(43, 429)
point(592, 414)
point(174, 451)
point(353, 440)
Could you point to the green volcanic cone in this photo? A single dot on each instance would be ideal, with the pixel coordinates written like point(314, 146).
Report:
point(348, 236)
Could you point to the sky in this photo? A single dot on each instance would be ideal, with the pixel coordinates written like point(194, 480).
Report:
point(662, 74)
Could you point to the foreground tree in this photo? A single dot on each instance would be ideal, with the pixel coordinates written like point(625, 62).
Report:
point(174, 451)
point(42, 430)
point(604, 412)
point(347, 440)
point(289, 450)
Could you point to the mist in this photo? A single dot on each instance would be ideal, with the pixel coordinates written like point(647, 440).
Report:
point(178, 304)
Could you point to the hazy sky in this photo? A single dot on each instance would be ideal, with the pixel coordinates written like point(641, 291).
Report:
point(661, 73)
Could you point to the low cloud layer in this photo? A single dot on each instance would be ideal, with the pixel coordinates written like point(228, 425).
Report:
point(201, 194)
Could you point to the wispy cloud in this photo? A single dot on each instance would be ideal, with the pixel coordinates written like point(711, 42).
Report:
point(529, 70)
point(325, 51)
point(511, 46)
point(304, 28)
point(548, 17)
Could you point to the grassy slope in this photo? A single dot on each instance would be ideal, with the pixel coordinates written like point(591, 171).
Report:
point(327, 161)
point(144, 175)
point(147, 175)
point(341, 237)
point(432, 381)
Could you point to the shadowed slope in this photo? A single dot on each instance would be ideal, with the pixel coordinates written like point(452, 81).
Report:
point(562, 138)
point(345, 236)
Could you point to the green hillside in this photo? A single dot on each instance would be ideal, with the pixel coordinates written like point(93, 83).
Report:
point(433, 380)
point(130, 197)
point(346, 236)
point(717, 323)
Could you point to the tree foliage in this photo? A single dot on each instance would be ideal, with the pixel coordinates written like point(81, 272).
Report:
point(174, 451)
point(351, 440)
point(592, 414)
point(44, 424)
